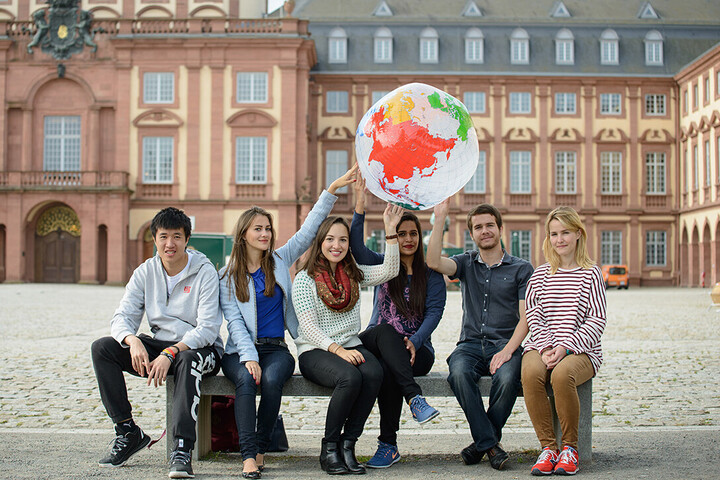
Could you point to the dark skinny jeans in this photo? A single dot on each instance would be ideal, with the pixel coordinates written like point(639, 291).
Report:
point(398, 375)
point(355, 390)
point(255, 427)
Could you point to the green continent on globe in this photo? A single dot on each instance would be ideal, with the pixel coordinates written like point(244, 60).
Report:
point(456, 110)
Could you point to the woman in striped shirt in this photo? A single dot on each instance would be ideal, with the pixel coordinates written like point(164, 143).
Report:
point(566, 313)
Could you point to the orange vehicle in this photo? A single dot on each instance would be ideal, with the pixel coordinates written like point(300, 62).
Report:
point(616, 276)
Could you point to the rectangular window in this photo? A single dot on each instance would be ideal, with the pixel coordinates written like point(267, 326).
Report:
point(61, 147)
point(695, 96)
point(707, 90)
point(653, 53)
point(707, 163)
point(337, 50)
point(377, 239)
point(336, 164)
point(655, 173)
point(474, 101)
point(428, 50)
point(655, 104)
point(521, 244)
point(611, 173)
point(520, 102)
point(696, 169)
point(564, 54)
point(565, 103)
point(468, 242)
point(520, 172)
point(611, 247)
point(474, 50)
point(519, 52)
point(252, 87)
point(655, 249)
point(157, 153)
point(158, 87)
point(610, 103)
point(337, 101)
point(477, 181)
point(377, 95)
point(383, 50)
point(565, 172)
point(685, 102)
point(251, 160)
point(609, 52)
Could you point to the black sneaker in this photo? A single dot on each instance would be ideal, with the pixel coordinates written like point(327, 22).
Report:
point(497, 456)
point(181, 464)
point(125, 446)
point(471, 455)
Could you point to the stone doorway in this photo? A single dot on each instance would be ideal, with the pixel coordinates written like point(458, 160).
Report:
point(57, 246)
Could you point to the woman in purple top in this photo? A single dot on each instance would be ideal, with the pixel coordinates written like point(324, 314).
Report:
point(406, 311)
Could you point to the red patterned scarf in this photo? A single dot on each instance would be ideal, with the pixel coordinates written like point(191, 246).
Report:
point(339, 293)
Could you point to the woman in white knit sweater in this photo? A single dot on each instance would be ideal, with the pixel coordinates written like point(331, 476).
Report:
point(326, 296)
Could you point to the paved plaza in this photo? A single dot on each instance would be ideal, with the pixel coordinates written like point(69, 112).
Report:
point(660, 375)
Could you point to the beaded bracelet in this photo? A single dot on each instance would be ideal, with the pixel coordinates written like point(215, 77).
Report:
point(168, 355)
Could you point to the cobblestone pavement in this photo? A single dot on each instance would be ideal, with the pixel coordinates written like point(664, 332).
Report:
point(660, 346)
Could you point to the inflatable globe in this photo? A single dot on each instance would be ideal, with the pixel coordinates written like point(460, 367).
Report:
point(416, 146)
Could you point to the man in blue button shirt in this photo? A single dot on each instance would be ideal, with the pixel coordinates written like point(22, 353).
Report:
point(493, 327)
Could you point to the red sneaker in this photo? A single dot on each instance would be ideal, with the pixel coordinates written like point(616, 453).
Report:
point(545, 463)
point(568, 462)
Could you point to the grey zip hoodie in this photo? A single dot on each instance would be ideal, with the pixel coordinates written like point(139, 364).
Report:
point(190, 314)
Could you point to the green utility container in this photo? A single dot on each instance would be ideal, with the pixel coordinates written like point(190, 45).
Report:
point(216, 246)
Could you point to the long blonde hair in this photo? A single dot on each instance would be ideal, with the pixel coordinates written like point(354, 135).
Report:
point(237, 271)
point(569, 219)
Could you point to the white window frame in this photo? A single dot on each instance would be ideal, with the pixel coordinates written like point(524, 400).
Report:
point(158, 87)
point(429, 48)
point(62, 143)
point(383, 46)
point(474, 46)
point(565, 173)
point(611, 104)
point(520, 172)
point(565, 103)
point(520, 102)
point(564, 47)
point(158, 158)
point(337, 46)
point(708, 165)
point(655, 248)
point(707, 90)
point(479, 178)
point(252, 87)
point(611, 173)
point(653, 48)
point(336, 164)
point(655, 104)
point(337, 101)
point(251, 159)
point(519, 47)
point(655, 171)
point(378, 94)
point(696, 168)
point(609, 48)
point(611, 247)
point(524, 244)
point(474, 102)
point(468, 242)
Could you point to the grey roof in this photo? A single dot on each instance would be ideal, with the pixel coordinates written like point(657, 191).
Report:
point(688, 27)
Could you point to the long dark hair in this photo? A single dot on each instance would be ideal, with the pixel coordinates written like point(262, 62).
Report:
point(317, 262)
point(237, 271)
point(415, 306)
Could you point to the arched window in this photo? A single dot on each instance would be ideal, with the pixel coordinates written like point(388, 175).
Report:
point(609, 49)
point(474, 46)
point(337, 46)
point(653, 48)
point(519, 47)
point(429, 46)
point(564, 47)
point(383, 45)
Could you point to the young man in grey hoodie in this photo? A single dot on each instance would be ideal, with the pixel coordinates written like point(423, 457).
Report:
point(178, 290)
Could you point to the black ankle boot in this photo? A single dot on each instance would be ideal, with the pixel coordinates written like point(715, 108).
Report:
point(331, 460)
point(348, 454)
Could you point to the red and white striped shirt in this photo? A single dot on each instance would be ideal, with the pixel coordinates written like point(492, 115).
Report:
point(566, 309)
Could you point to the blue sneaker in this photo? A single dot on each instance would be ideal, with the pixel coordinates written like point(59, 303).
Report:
point(421, 411)
point(385, 456)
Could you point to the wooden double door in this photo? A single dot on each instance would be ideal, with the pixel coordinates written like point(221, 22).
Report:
point(58, 257)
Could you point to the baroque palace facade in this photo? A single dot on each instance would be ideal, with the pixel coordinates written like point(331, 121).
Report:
point(121, 107)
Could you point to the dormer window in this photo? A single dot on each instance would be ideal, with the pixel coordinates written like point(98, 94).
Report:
point(429, 46)
point(609, 50)
point(519, 47)
point(653, 48)
point(474, 46)
point(337, 46)
point(564, 47)
point(383, 45)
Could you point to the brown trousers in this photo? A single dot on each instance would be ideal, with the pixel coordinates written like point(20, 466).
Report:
point(573, 370)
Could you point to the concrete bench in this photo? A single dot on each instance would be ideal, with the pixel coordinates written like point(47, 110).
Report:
point(433, 385)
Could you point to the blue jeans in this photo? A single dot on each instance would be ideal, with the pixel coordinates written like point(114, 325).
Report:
point(468, 363)
point(255, 429)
